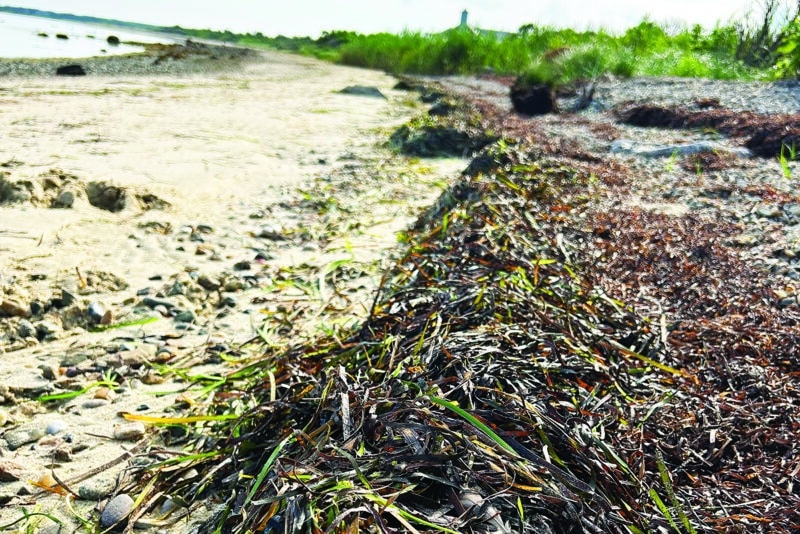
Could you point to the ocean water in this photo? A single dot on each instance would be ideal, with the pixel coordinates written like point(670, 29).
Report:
point(20, 38)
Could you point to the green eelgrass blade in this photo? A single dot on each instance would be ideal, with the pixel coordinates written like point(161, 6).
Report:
point(471, 419)
point(124, 324)
point(266, 467)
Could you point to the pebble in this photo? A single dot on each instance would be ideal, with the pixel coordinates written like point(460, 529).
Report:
point(48, 330)
point(96, 311)
point(95, 490)
point(209, 283)
point(129, 431)
point(10, 471)
point(241, 266)
point(67, 299)
point(185, 316)
point(94, 403)
point(116, 510)
point(22, 436)
point(65, 199)
point(14, 308)
point(153, 303)
point(56, 426)
point(26, 329)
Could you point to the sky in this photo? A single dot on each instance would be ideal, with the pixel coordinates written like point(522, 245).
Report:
point(312, 17)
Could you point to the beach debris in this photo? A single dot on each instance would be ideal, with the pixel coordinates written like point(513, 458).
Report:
point(765, 135)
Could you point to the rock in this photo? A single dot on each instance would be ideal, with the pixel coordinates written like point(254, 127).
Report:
point(769, 211)
point(363, 90)
point(106, 197)
point(26, 329)
point(153, 303)
point(12, 308)
point(22, 436)
point(185, 316)
point(63, 36)
point(533, 99)
point(129, 431)
point(10, 471)
point(241, 266)
point(95, 490)
point(209, 283)
point(65, 199)
point(272, 233)
point(56, 426)
point(116, 510)
point(48, 331)
point(70, 70)
point(67, 299)
point(96, 312)
point(113, 40)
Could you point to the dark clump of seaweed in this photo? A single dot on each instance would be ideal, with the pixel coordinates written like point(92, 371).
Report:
point(533, 363)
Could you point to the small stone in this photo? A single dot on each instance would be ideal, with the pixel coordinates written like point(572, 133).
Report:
point(792, 210)
point(185, 316)
point(94, 403)
point(65, 199)
point(22, 436)
point(37, 308)
point(129, 431)
point(105, 393)
point(26, 329)
point(95, 490)
point(151, 302)
point(229, 302)
point(272, 233)
point(10, 471)
point(67, 299)
point(768, 211)
point(56, 426)
point(14, 309)
point(205, 229)
point(209, 283)
point(116, 510)
point(48, 331)
point(95, 311)
point(241, 266)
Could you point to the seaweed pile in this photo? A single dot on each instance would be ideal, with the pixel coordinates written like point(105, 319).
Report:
point(534, 363)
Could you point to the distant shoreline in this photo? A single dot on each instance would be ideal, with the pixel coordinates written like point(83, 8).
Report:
point(157, 59)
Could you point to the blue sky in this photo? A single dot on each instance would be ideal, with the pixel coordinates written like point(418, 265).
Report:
point(311, 17)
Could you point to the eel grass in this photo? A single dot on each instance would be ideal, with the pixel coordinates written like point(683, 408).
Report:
point(495, 386)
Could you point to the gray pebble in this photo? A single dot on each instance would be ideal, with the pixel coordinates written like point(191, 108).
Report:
point(26, 329)
point(22, 436)
point(65, 199)
point(95, 403)
point(94, 490)
point(185, 316)
point(116, 510)
point(129, 431)
point(153, 303)
point(67, 298)
point(56, 426)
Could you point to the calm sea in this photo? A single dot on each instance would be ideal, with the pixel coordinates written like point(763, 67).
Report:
point(23, 36)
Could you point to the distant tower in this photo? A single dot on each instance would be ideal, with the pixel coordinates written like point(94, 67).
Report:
point(464, 18)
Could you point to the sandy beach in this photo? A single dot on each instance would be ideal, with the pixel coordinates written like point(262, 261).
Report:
point(117, 188)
